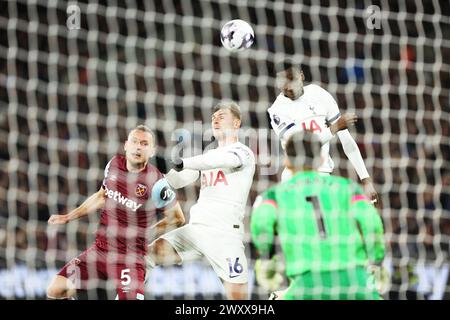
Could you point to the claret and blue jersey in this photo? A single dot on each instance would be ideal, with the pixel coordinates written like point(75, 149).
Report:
point(132, 201)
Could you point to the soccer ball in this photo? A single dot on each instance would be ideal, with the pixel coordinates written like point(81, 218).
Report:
point(237, 35)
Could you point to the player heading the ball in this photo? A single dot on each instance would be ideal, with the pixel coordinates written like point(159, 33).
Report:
point(215, 230)
point(299, 107)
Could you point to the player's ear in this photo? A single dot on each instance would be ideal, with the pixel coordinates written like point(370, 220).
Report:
point(237, 123)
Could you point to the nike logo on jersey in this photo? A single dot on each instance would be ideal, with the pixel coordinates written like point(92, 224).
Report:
point(117, 196)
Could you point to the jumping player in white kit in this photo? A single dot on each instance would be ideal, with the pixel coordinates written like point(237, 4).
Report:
point(311, 107)
point(215, 229)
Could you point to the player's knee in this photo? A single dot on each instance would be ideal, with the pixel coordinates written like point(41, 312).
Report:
point(236, 291)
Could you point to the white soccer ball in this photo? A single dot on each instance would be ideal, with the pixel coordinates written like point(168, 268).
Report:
point(237, 35)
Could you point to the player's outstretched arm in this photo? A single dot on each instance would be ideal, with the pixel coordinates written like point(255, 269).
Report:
point(182, 178)
point(173, 218)
point(91, 204)
point(344, 122)
point(211, 160)
point(354, 155)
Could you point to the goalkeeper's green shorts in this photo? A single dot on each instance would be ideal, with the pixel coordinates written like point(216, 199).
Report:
point(332, 285)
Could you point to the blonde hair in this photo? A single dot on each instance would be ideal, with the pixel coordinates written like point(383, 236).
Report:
point(144, 128)
point(229, 105)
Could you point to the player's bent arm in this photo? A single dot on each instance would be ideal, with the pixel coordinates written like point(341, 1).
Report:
point(91, 204)
point(173, 218)
point(182, 178)
point(372, 230)
point(262, 226)
point(343, 122)
point(354, 155)
point(212, 160)
point(352, 152)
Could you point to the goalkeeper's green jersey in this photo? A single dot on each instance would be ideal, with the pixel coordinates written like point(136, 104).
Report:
point(323, 222)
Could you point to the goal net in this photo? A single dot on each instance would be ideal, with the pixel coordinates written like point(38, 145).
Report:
point(76, 76)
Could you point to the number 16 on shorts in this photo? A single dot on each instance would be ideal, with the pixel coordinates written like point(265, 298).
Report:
point(234, 267)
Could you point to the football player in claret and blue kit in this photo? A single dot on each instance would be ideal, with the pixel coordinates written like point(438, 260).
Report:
point(132, 195)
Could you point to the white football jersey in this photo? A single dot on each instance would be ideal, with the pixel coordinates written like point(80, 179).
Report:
point(314, 111)
point(223, 194)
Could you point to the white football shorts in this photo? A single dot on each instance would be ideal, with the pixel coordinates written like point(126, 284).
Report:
point(224, 250)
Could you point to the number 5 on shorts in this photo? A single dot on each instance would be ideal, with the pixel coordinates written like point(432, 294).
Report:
point(125, 277)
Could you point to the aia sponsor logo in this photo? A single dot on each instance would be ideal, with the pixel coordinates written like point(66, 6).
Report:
point(211, 179)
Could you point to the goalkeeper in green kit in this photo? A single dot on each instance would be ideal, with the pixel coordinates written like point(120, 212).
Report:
point(330, 234)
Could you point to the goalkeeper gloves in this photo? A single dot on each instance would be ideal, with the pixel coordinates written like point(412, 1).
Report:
point(269, 273)
point(379, 278)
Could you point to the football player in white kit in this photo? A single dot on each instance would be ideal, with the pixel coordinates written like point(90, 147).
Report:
point(311, 107)
point(215, 229)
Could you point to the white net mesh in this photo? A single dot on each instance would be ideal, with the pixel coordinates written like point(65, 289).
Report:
point(68, 98)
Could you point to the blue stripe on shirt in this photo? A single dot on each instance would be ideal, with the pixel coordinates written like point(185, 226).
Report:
point(286, 129)
point(334, 118)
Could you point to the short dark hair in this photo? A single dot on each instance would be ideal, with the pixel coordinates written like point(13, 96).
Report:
point(230, 105)
point(287, 64)
point(144, 128)
point(303, 149)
